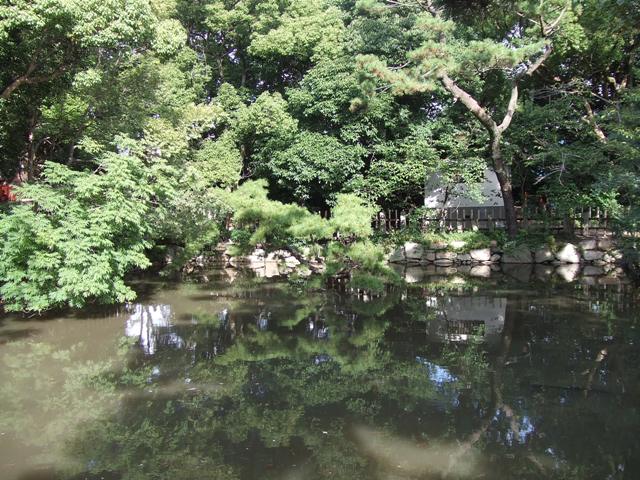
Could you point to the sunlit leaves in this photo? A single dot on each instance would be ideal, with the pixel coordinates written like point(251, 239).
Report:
point(84, 233)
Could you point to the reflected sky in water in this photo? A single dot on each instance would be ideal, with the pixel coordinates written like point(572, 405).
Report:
point(255, 378)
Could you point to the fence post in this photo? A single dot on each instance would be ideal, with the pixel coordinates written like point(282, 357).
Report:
point(586, 219)
point(568, 222)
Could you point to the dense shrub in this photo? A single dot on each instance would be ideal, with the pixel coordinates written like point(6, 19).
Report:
point(79, 238)
point(352, 216)
point(259, 220)
point(363, 261)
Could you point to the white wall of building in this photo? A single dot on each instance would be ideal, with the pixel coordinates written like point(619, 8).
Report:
point(435, 195)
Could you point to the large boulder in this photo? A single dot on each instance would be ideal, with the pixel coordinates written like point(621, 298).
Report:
point(446, 255)
point(606, 244)
point(544, 255)
point(291, 262)
point(568, 254)
point(481, 254)
point(413, 251)
point(397, 256)
point(270, 269)
point(439, 245)
point(520, 254)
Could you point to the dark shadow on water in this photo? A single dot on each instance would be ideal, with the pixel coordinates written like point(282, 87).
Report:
point(13, 335)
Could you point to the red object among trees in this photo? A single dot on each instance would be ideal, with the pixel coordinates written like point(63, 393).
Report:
point(6, 195)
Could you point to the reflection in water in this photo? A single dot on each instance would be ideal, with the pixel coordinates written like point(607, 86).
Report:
point(458, 318)
point(249, 380)
point(151, 324)
point(405, 459)
point(437, 374)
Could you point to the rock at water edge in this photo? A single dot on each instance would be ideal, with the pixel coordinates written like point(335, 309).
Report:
point(519, 255)
point(544, 255)
point(413, 251)
point(588, 244)
point(397, 256)
point(481, 254)
point(591, 255)
point(568, 254)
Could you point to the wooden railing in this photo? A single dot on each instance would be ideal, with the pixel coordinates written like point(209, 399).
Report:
point(584, 220)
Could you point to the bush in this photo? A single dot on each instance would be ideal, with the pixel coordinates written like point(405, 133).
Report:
point(364, 262)
point(272, 223)
point(352, 216)
point(83, 234)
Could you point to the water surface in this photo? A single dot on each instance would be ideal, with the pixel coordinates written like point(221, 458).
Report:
point(450, 377)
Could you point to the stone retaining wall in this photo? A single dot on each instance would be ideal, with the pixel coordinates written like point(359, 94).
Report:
point(274, 264)
point(596, 252)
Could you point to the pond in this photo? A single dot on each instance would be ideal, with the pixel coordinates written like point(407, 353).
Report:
point(247, 378)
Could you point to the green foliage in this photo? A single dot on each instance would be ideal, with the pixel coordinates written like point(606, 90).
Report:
point(82, 235)
point(533, 240)
point(472, 239)
point(321, 99)
point(217, 163)
point(365, 264)
point(351, 216)
point(305, 30)
point(314, 166)
point(272, 223)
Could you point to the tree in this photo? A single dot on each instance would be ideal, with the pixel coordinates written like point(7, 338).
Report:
point(448, 55)
point(87, 232)
point(314, 168)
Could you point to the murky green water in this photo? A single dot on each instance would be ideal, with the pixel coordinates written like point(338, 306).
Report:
point(261, 379)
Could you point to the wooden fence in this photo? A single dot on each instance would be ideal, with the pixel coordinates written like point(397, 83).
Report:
point(584, 220)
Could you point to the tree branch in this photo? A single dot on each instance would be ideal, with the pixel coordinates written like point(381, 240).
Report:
point(550, 29)
point(511, 107)
point(471, 103)
point(538, 63)
point(591, 120)
point(26, 79)
point(513, 100)
point(9, 89)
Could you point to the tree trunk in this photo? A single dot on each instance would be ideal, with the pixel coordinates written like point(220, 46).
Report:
point(504, 178)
